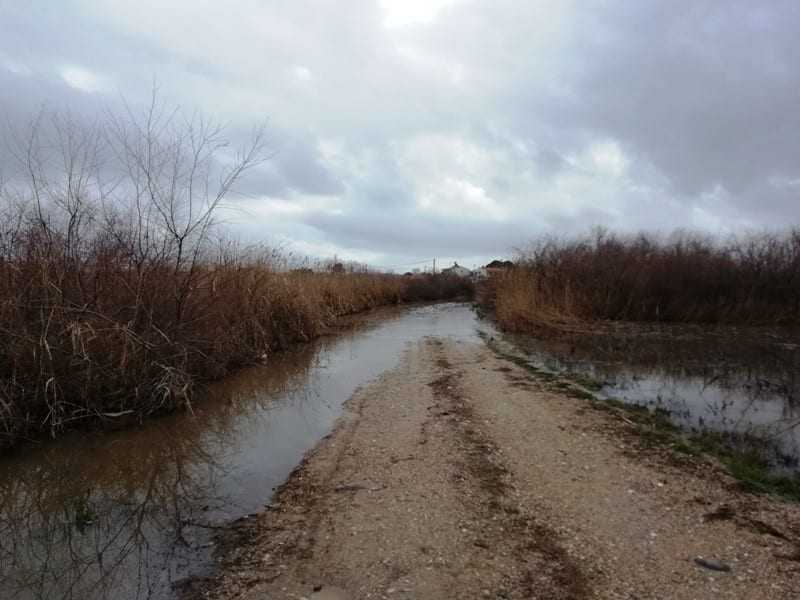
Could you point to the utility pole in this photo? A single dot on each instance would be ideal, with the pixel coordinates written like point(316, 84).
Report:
point(434, 266)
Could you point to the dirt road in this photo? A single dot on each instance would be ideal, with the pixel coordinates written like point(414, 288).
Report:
point(456, 475)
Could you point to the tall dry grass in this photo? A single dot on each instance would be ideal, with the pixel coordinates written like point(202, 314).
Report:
point(752, 279)
point(106, 337)
point(116, 297)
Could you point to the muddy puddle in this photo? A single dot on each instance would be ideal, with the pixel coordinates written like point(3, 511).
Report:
point(733, 380)
point(131, 514)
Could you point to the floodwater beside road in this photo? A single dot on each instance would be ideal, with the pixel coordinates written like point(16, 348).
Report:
point(743, 381)
point(459, 474)
point(126, 515)
point(129, 514)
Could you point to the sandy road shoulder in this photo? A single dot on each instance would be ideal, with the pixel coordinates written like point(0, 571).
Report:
point(406, 499)
point(456, 475)
point(635, 523)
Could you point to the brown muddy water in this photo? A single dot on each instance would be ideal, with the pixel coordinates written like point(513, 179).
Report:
point(743, 382)
point(130, 514)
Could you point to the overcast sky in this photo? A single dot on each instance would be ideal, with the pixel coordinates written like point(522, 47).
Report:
point(408, 129)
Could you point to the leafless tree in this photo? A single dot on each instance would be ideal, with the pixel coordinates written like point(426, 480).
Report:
point(104, 226)
point(178, 169)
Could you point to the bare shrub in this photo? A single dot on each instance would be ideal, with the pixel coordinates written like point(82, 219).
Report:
point(428, 287)
point(683, 278)
point(116, 296)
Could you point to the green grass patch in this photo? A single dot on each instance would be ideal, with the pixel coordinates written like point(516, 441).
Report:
point(580, 394)
point(745, 461)
point(587, 382)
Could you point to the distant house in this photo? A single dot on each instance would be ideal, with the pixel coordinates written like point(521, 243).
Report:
point(457, 270)
point(480, 273)
point(500, 264)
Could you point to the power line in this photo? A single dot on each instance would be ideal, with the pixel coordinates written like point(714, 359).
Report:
point(419, 262)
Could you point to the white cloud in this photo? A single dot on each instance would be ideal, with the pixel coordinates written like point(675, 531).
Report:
point(14, 66)
point(414, 119)
point(301, 75)
point(410, 12)
point(607, 158)
point(433, 65)
point(82, 79)
point(266, 208)
point(459, 199)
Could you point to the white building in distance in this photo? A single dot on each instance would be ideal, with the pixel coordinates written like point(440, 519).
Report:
point(457, 270)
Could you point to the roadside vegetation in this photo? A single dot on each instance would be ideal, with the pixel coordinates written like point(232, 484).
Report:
point(118, 296)
point(581, 290)
point(684, 278)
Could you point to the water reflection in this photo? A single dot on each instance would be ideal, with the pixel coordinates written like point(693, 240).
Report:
point(75, 522)
point(744, 381)
point(125, 514)
point(128, 514)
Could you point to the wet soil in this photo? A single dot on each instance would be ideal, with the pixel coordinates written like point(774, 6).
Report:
point(739, 383)
point(458, 474)
point(130, 515)
point(452, 472)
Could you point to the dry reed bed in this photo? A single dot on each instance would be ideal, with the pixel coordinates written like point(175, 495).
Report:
point(107, 340)
point(117, 297)
point(564, 284)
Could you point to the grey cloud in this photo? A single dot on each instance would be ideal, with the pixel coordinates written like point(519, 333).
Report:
point(294, 166)
point(428, 237)
point(699, 100)
point(301, 165)
point(707, 91)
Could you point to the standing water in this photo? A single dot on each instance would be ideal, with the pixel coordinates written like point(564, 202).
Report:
point(740, 381)
point(129, 514)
